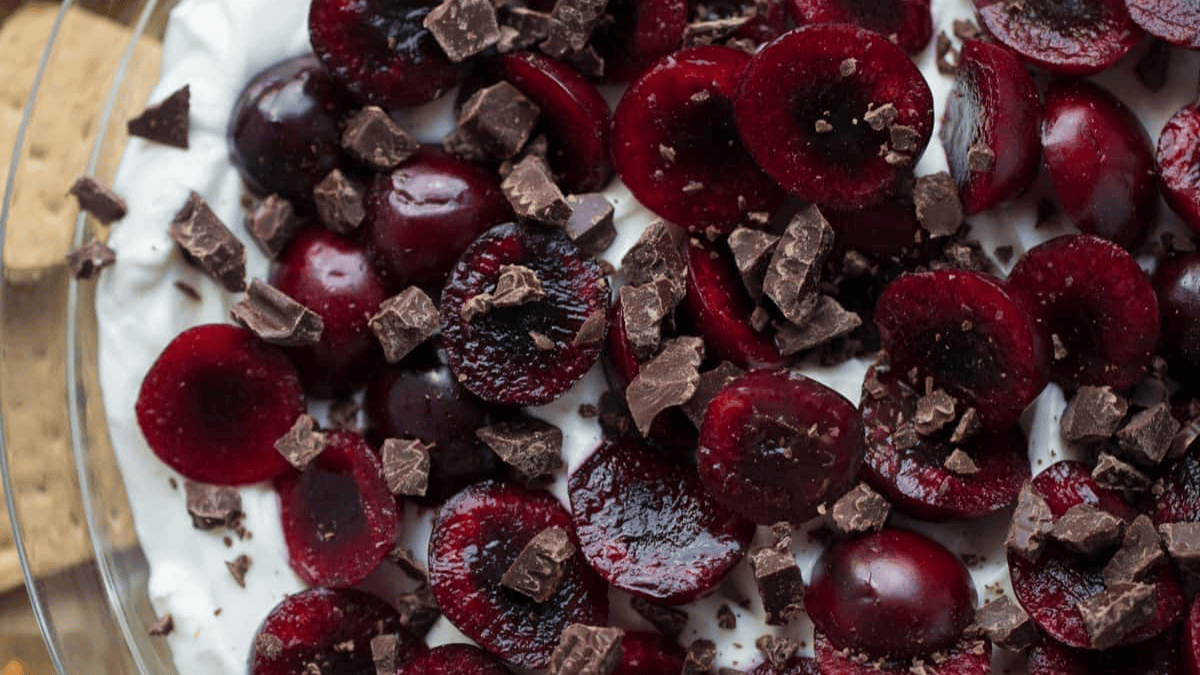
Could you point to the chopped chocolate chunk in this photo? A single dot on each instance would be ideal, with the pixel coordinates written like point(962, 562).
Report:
point(531, 446)
point(1110, 472)
point(1140, 553)
point(905, 435)
point(711, 32)
point(904, 139)
point(656, 256)
point(404, 559)
point(464, 145)
point(418, 610)
point(212, 505)
point(1087, 529)
point(476, 305)
point(572, 25)
point(343, 415)
point(1006, 624)
point(848, 67)
point(759, 319)
point(960, 463)
point(165, 624)
point(206, 241)
point(1151, 69)
point(943, 49)
point(777, 649)
point(376, 140)
point(273, 223)
point(404, 322)
point(860, 510)
point(529, 25)
point(238, 568)
point(828, 321)
point(1004, 254)
point(643, 309)
point(539, 568)
point(779, 584)
point(967, 427)
point(517, 285)
point(822, 127)
point(384, 650)
point(980, 157)
point(781, 535)
point(670, 621)
point(1182, 541)
point(87, 260)
point(302, 443)
point(1093, 414)
point(501, 118)
point(591, 223)
point(463, 28)
point(752, 250)
point(165, 122)
point(406, 466)
point(1117, 611)
point(1032, 522)
point(593, 329)
point(531, 191)
point(275, 317)
point(965, 29)
point(938, 207)
point(711, 381)
point(882, 117)
point(726, 619)
point(700, 658)
point(934, 411)
point(587, 61)
point(1148, 435)
point(541, 341)
point(668, 379)
point(1184, 438)
point(586, 650)
point(98, 200)
point(339, 202)
point(793, 274)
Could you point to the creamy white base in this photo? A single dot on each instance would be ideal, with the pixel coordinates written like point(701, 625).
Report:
point(216, 46)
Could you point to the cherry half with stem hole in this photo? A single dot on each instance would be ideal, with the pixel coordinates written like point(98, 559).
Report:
point(1068, 38)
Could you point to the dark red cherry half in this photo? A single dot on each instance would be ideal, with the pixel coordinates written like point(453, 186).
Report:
point(1067, 38)
point(908, 23)
point(1173, 21)
point(1159, 656)
point(339, 519)
point(796, 81)
point(775, 445)
point(1067, 483)
point(1101, 162)
point(677, 148)
point(1178, 285)
point(330, 628)
point(644, 653)
point(973, 658)
point(455, 659)
point(649, 527)
point(380, 50)
point(994, 107)
point(1179, 161)
point(215, 401)
point(972, 334)
point(476, 536)
point(641, 32)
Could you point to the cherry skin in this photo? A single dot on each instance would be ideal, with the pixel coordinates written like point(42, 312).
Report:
point(1178, 286)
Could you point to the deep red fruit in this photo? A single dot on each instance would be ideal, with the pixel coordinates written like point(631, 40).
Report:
point(493, 355)
point(890, 594)
point(1080, 38)
point(908, 23)
point(477, 534)
point(455, 659)
point(719, 307)
point(645, 653)
point(958, 660)
point(315, 625)
point(1179, 162)
point(1178, 284)
point(575, 119)
point(797, 665)
point(1173, 21)
point(285, 131)
point(760, 455)
point(215, 401)
point(1094, 297)
point(1160, 656)
point(424, 214)
point(1191, 640)
point(1180, 499)
point(379, 50)
point(795, 81)
point(916, 481)
point(1050, 588)
point(641, 32)
point(994, 108)
point(970, 333)
point(1101, 162)
point(648, 526)
point(339, 519)
point(677, 148)
point(333, 277)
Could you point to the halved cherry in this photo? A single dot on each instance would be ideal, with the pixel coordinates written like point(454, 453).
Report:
point(1159, 656)
point(380, 50)
point(644, 653)
point(476, 536)
point(339, 519)
point(1067, 38)
point(1179, 162)
point(1101, 162)
point(1093, 297)
point(215, 401)
point(641, 32)
point(991, 131)
point(649, 527)
point(803, 120)
point(329, 628)
point(1067, 483)
point(908, 23)
point(972, 334)
point(575, 119)
point(455, 659)
point(677, 148)
point(1177, 282)
point(973, 658)
point(1173, 21)
point(775, 445)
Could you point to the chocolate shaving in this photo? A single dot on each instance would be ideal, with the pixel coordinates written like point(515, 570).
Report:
point(87, 260)
point(524, 27)
point(541, 341)
point(1140, 553)
point(860, 510)
point(212, 506)
point(669, 379)
point(710, 382)
point(779, 584)
point(591, 223)
point(104, 204)
point(938, 207)
point(959, 462)
point(828, 321)
point(593, 329)
point(376, 140)
point(209, 244)
point(848, 67)
point(1006, 624)
point(1117, 611)
point(339, 202)
point(643, 309)
point(1093, 414)
point(531, 191)
point(273, 223)
point(700, 658)
point(165, 122)
point(302, 443)
point(501, 118)
point(656, 256)
point(163, 626)
point(1088, 530)
point(586, 650)
point(275, 317)
point(403, 322)
point(934, 411)
point(793, 274)
point(406, 466)
point(752, 250)
point(1114, 474)
point(539, 569)
point(1148, 435)
point(1032, 522)
point(1182, 541)
point(670, 621)
point(187, 289)
point(463, 28)
point(238, 568)
point(531, 446)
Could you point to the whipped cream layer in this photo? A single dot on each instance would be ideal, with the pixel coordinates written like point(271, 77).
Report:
point(216, 46)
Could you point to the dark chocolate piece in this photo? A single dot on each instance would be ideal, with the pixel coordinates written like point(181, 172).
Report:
point(700, 658)
point(517, 285)
point(593, 329)
point(212, 506)
point(165, 122)
point(539, 569)
point(752, 250)
point(643, 309)
point(571, 26)
point(777, 649)
point(405, 466)
point(1110, 472)
point(384, 650)
point(980, 157)
point(464, 145)
point(938, 207)
point(418, 610)
point(273, 223)
point(1182, 541)
point(711, 381)
point(339, 202)
point(463, 28)
point(1032, 522)
point(207, 242)
point(87, 260)
point(404, 322)
point(1147, 437)
point(860, 510)
point(1117, 611)
point(960, 463)
point(541, 341)
point(586, 650)
point(501, 118)
point(238, 568)
point(881, 117)
point(343, 415)
point(965, 29)
point(164, 625)
point(1093, 414)
point(591, 223)
point(104, 204)
point(376, 140)
point(1151, 69)
point(780, 584)
point(943, 48)
point(275, 317)
point(524, 28)
point(670, 621)
point(934, 411)
point(1006, 624)
point(302, 443)
point(1141, 552)
point(828, 321)
point(968, 425)
point(793, 275)
point(1088, 530)
point(531, 191)
point(669, 379)
point(904, 139)
point(654, 256)
point(726, 619)
point(711, 32)
point(1184, 438)
point(1004, 254)
point(531, 446)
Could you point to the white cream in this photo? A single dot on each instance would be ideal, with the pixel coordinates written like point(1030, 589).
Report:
point(216, 46)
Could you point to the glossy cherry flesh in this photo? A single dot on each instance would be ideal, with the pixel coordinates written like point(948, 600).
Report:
point(1070, 38)
point(1178, 284)
point(1179, 162)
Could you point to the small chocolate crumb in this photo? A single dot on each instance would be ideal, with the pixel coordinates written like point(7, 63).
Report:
point(848, 67)
point(1004, 253)
point(968, 426)
point(938, 207)
point(403, 322)
point(780, 584)
point(275, 317)
point(860, 510)
point(87, 260)
point(206, 241)
point(669, 379)
point(905, 139)
point(778, 650)
point(531, 446)
point(384, 649)
point(501, 118)
point(1140, 553)
point(655, 256)
point(302, 443)
point(822, 127)
point(1006, 624)
point(238, 568)
point(104, 204)
point(793, 274)
point(531, 191)
point(273, 223)
point(339, 202)
point(711, 381)
point(700, 658)
point(591, 223)
point(980, 157)
point(462, 144)
point(828, 321)
point(1093, 414)
point(1182, 541)
point(1088, 530)
point(163, 626)
point(960, 463)
point(942, 50)
point(1151, 69)
point(376, 140)
point(882, 117)
point(539, 569)
point(586, 650)
point(934, 411)
point(752, 251)
point(463, 28)
point(212, 506)
point(1032, 522)
point(541, 341)
point(1117, 611)
point(165, 122)
point(670, 621)
point(1114, 474)
point(965, 29)
point(1148, 435)
point(406, 466)
point(593, 329)
point(726, 619)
